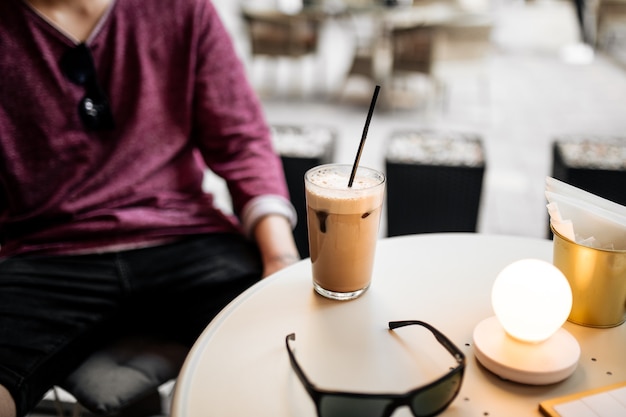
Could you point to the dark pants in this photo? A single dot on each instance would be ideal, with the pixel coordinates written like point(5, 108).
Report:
point(56, 310)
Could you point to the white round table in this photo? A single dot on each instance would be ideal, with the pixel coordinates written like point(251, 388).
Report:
point(240, 367)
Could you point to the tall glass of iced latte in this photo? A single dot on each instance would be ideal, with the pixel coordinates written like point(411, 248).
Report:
point(343, 225)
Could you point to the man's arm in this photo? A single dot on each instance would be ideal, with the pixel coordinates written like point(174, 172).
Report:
point(274, 237)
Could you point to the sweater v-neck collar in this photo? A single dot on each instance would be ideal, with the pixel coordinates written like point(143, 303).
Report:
point(94, 32)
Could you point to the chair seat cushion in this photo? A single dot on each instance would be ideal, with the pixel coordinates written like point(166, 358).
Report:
point(123, 373)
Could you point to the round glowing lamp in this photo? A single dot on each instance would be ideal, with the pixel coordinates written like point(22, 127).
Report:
point(525, 342)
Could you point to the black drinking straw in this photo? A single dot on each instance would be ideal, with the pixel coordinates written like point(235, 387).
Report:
point(364, 136)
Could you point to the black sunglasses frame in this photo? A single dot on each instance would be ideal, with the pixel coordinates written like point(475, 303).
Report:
point(94, 109)
point(397, 400)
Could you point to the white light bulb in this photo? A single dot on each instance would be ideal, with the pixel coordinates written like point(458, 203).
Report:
point(531, 299)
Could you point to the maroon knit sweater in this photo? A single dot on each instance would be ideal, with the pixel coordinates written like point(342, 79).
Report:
point(177, 90)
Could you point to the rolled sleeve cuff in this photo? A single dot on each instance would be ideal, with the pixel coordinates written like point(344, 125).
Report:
point(262, 206)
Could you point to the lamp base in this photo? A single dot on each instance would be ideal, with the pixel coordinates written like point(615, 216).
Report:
point(529, 363)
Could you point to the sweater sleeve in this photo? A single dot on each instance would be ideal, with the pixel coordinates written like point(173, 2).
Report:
point(229, 125)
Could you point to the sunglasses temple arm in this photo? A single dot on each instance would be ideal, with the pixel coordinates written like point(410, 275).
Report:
point(297, 369)
point(441, 338)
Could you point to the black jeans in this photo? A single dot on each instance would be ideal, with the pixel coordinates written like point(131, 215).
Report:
point(56, 310)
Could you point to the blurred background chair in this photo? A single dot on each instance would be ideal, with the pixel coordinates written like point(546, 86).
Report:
point(396, 56)
point(463, 49)
point(610, 30)
point(129, 378)
point(412, 53)
point(274, 34)
point(365, 36)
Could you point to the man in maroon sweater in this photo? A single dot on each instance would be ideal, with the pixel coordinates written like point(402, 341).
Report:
point(109, 112)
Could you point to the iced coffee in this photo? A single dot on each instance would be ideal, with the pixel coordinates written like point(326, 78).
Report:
point(343, 225)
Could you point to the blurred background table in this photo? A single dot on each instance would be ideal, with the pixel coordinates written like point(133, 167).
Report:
point(239, 366)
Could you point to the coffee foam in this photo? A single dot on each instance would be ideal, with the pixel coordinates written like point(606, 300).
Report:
point(337, 180)
point(328, 191)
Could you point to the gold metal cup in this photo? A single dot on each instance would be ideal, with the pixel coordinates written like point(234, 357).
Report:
point(598, 281)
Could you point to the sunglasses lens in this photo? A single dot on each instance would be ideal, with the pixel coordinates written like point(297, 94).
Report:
point(77, 65)
point(346, 406)
point(94, 110)
point(435, 399)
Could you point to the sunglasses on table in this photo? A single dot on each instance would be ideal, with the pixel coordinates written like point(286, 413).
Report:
point(94, 110)
point(425, 401)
